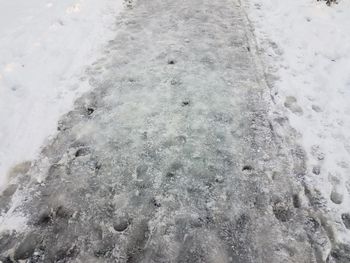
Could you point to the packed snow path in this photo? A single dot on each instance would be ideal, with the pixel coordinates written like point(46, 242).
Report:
point(172, 157)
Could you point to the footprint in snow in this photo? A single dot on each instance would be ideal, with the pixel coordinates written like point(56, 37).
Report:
point(316, 108)
point(291, 104)
point(337, 193)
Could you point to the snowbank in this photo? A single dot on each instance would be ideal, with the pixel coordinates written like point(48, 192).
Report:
point(44, 46)
point(307, 45)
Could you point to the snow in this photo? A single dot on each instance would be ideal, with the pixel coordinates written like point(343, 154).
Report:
point(149, 156)
point(307, 45)
point(14, 219)
point(44, 48)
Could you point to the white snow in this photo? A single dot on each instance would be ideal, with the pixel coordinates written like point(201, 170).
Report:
point(14, 219)
point(308, 45)
point(44, 48)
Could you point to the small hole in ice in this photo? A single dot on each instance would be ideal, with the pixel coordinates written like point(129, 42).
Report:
point(186, 103)
point(90, 111)
point(247, 168)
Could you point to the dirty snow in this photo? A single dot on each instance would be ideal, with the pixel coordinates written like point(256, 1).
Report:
point(307, 45)
point(44, 46)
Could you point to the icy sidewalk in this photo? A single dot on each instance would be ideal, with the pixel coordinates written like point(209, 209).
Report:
point(307, 46)
point(172, 157)
point(44, 49)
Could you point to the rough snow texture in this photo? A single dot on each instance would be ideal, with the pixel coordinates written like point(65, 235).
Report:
point(44, 46)
point(173, 157)
point(307, 45)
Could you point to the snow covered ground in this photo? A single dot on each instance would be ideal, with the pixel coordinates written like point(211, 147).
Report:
point(307, 45)
point(174, 155)
point(175, 162)
point(44, 48)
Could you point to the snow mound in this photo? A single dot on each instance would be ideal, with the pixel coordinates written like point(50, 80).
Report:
point(307, 44)
point(44, 46)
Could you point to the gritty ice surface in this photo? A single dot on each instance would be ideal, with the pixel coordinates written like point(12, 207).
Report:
point(307, 45)
point(44, 48)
